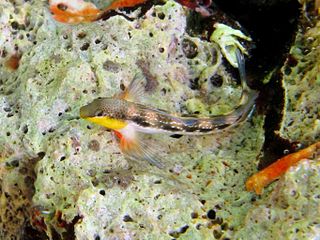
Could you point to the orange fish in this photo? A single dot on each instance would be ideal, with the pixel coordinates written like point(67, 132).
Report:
point(78, 11)
point(273, 172)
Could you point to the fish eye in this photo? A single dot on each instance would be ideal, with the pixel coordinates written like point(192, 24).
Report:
point(99, 113)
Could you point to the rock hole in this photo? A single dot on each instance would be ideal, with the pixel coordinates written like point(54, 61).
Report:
point(81, 35)
point(85, 47)
point(216, 80)
point(161, 15)
point(25, 129)
point(184, 229)
point(127, 218)
point(189, 48)
point(51, 130)
point(157, 182)
point(194, 215)
point(194, 84)
point(7, 109)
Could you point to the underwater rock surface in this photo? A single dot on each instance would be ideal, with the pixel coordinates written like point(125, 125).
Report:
point(68, 177)
point(291, 210)
point(301, 81)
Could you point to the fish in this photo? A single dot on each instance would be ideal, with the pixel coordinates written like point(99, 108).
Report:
point(127, 118)
point(74, 11)
point(79, 11)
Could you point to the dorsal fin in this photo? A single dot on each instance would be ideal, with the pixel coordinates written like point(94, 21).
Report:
point(134, 91)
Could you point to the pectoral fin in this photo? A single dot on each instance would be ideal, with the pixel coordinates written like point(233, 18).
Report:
point(135, 148)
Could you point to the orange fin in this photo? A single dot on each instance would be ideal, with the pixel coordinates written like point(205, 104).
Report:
point(134, 91)
point(134, 148)
point(264, 177)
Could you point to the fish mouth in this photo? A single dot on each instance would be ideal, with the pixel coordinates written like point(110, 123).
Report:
point(83, 112)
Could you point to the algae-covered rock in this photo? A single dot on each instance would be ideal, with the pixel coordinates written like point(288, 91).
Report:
point(84, 187)
point(68, 179)
point(301, 81)
point(291, 211)
point(289, 208)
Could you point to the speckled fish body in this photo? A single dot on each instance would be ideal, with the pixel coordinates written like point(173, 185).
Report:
point(150, 120)
point(119, 112)
point(126, 117)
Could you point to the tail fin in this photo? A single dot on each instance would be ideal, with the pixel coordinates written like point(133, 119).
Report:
point(248, 96)
point(244, 109)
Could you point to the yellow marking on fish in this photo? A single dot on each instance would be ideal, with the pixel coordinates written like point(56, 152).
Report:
point(110, 123)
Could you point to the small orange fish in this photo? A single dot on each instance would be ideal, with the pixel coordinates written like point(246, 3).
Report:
point(273, 172)
point(79, 11)
point(73, 11)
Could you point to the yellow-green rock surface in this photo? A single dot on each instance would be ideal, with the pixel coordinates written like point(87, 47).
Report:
point(52, 163)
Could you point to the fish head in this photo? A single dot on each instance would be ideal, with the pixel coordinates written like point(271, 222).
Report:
point(107, 112)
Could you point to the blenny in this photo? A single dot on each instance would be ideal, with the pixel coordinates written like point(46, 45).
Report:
point(127, 118)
